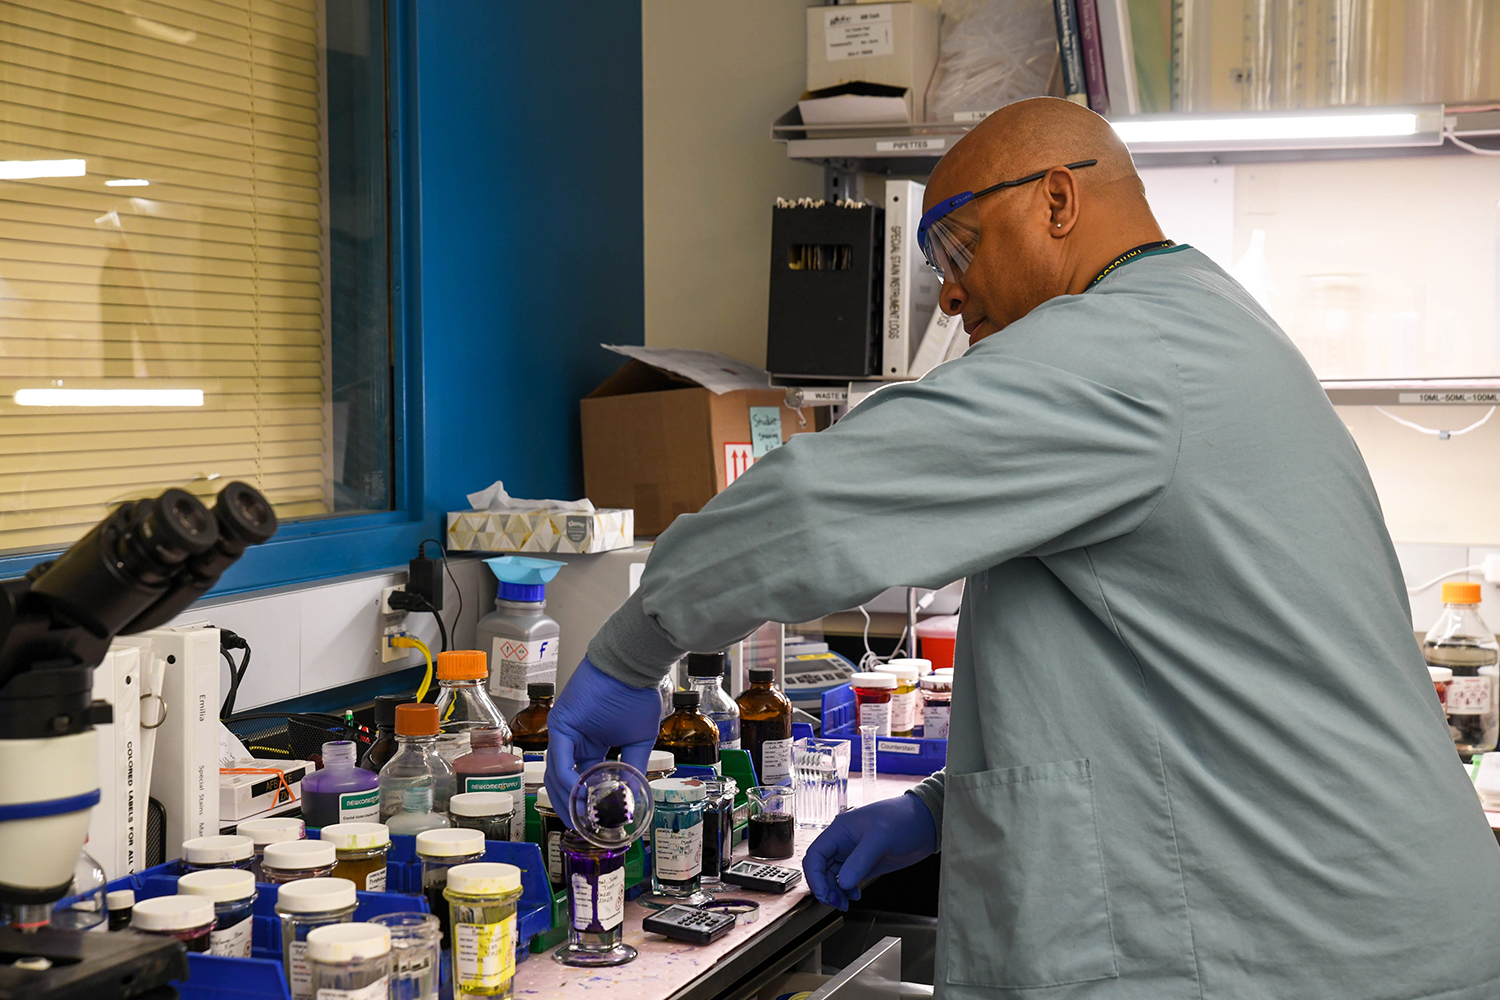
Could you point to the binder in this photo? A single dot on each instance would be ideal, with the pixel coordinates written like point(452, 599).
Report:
point(1095, 81)
point(117, 826)
point(185, 768)
point(910, 287)
point(942, 331)
point(1070, 50)
point(1119, 56)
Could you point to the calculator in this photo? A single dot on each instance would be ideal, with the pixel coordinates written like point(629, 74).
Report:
point(688, 923)
point(766, 878)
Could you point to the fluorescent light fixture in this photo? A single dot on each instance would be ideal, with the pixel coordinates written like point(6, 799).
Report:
point(1321, 130)
point(128, 182)
point(109, 397)
point(25, 170)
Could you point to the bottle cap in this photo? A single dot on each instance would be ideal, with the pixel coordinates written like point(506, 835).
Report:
point(1462, 592)
point(344, 943)
point(924, 667)
point(541, 689)
point(611, 805)
point(874, 679)
point(523, 578)
point(481, 804)
point(937, 682)
point(487, 736)
point(762, 675)
point(315, 895)
point(119, 899)
point(272, 831)
point(661, 760)
point(484, 878)
point(217, 850)
point(339, 752)
point(1440, 675)
point(533, 772)
point(221, 885)
point(462, 665)
point(906, 673)
point(356, 836)
point(678, 790)
point(543, 798)
point(685, 699)
point(450, 843)
point(416, 719)
point(298, 855)
point(707, 664)
point(385, 708)
point(172, 913)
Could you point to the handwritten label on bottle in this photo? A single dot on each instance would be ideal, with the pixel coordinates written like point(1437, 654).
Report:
point(679, 853)
point(484, 955)
point(610, 911)
point(775, 761)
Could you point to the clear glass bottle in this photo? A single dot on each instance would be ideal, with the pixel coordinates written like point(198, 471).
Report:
point(361, 850)
point(528, 730)
point(491, 813)
point(416, 813)
point(121, 903)
point(667, 687)
point(189, 919)
point(416, 762)
point(451, 746)
point(873, 693)
point(677, 840)
point(766, 726)
point(219, 851)
point(415, 958)
point(232, 892)
point(481, 899)
point(350, 961)
point(488, 768)
point(302, 907)
point(296, 860)
point(84, 906)
point(462, 701)
point(596, 905)
point(384, 747)
point(689, 734)
point(273, 830)
point(340, 792)
point(1461, 642)
point(439, 851)
point(705, 673)
point(551, 829)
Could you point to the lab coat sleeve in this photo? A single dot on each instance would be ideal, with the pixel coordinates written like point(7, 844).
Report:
point(988, 457)
point(931, 790)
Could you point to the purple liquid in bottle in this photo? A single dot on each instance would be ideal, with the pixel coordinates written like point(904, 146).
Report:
point(341, 792)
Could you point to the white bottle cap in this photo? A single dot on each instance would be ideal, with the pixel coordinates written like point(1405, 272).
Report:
point(340, 944)
point(904, 672)
point(875, 679)
point(299, 855)
point(543, 798)
point(678, 790)
point(1440, 675)
point(534, 772)
point(276, 830)
point(222, 885)
point(172, 913)
point(450, 843)
point(315, 895)
point(661, 760)
point(924, 667)
point(484, 878)
point(481, 804)
point(217, 850)
point(356, 836)
point(119, 899)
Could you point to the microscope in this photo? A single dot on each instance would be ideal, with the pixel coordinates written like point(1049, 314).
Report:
point(135, 570)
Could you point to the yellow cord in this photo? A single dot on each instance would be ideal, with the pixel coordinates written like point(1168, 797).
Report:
point(407, 642)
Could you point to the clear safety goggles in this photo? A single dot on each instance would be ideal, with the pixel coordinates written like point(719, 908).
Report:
point(947, 243)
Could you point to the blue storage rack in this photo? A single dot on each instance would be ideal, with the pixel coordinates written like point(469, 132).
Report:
point(893, 754)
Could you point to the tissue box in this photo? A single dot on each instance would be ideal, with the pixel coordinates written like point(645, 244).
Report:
point(540, 531)
point(242, 795)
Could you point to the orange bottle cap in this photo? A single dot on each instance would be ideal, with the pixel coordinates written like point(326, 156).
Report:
point(1462, 592)
point(416, 720)
point(462, 665)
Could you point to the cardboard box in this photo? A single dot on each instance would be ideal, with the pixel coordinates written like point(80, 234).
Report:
point(890, 43)
point(243, 795)
point(540, 531)
point(664, 445)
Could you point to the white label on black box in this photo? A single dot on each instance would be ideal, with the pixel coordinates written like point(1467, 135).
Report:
point(857, 31)
point(775, 761)
point(678, 854)
point(611, 911)
point(877, 714)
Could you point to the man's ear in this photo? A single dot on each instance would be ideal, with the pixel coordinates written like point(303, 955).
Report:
point(1060, 192)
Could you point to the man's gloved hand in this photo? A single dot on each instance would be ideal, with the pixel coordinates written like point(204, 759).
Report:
point(866, 842)
point(593, 713)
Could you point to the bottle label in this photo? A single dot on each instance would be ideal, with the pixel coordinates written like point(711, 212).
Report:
point(610, 912)
point(935, 722)
point(375, 880)
point(678, 854)
point(515, 664)
point(1470, 696)
point(484, 955)
point(301, 975)
point(903, 711)
point(359, 807)
point(733, 744)
point(775, 761)
point(877, 714)
point(554, 858)
point(512, 783)
point(378, 990)
point(231, 942)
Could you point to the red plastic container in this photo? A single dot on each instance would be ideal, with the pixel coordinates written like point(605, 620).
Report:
point(937, 636)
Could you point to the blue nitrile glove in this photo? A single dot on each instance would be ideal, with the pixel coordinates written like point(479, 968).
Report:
point(866, 842)
point(593, 713)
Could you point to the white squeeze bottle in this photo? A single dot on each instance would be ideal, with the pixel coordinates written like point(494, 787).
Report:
point(519, 637)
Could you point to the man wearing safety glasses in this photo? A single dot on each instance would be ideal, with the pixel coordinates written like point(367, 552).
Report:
point(1194, 751)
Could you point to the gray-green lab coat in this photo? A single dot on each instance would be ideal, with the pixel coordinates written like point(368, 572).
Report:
point(1194, 750)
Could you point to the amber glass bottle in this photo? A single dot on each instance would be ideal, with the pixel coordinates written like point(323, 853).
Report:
point(528, 730)
point(689, 735)
point(766, 727)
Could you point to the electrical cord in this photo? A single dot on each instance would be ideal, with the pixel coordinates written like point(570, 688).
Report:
point(1452, 136)
point(1414, 591)
point(443, 554)
point(1441, 435)
point(231, 640)
point(416, 602)
point(407, 642)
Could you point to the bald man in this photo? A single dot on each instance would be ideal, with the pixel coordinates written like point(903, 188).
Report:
point(1194, 751)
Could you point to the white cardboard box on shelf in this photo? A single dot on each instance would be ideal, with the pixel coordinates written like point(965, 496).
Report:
point(890, 43)
point(246, 794)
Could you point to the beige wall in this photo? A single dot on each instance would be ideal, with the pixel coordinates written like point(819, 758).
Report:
point(716, 73)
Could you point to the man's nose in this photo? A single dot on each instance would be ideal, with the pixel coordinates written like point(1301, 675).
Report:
point(952, 297)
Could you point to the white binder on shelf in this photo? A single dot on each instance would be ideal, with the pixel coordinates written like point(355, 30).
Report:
point(117, 826)
point(937, 343)
point(185, 768)
point(911, 288)
point(1119, 57)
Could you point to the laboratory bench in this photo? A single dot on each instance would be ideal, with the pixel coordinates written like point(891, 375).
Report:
point(786, 937)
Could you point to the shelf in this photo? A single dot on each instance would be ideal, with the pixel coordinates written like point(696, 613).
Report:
point(914, 148)
point(1421, 392)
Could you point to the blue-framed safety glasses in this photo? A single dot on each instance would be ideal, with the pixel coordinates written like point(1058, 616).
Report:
point(948, 245)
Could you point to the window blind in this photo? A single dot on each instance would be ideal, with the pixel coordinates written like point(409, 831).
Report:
point(212, 276)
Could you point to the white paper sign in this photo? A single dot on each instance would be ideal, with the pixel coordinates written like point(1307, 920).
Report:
point(858, 31)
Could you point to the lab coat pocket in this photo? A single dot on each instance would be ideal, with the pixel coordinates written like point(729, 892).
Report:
point(1025, 903)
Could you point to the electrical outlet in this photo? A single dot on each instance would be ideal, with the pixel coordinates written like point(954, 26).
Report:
point(385, 601)
point(389, 653)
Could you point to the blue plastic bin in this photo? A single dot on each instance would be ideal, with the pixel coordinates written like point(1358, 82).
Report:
point(533, 911)
point(893, 754)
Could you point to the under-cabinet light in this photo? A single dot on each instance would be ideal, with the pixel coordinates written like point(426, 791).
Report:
point(25, 170)
point(1387, 126)
point(128, 182)
point(109, 397)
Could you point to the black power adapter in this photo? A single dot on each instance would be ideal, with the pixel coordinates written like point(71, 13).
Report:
point(424, 578)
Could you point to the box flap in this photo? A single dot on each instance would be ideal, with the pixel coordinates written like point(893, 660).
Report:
point(637, 376)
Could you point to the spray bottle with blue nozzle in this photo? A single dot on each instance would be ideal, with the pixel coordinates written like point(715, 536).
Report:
point(520, 638)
